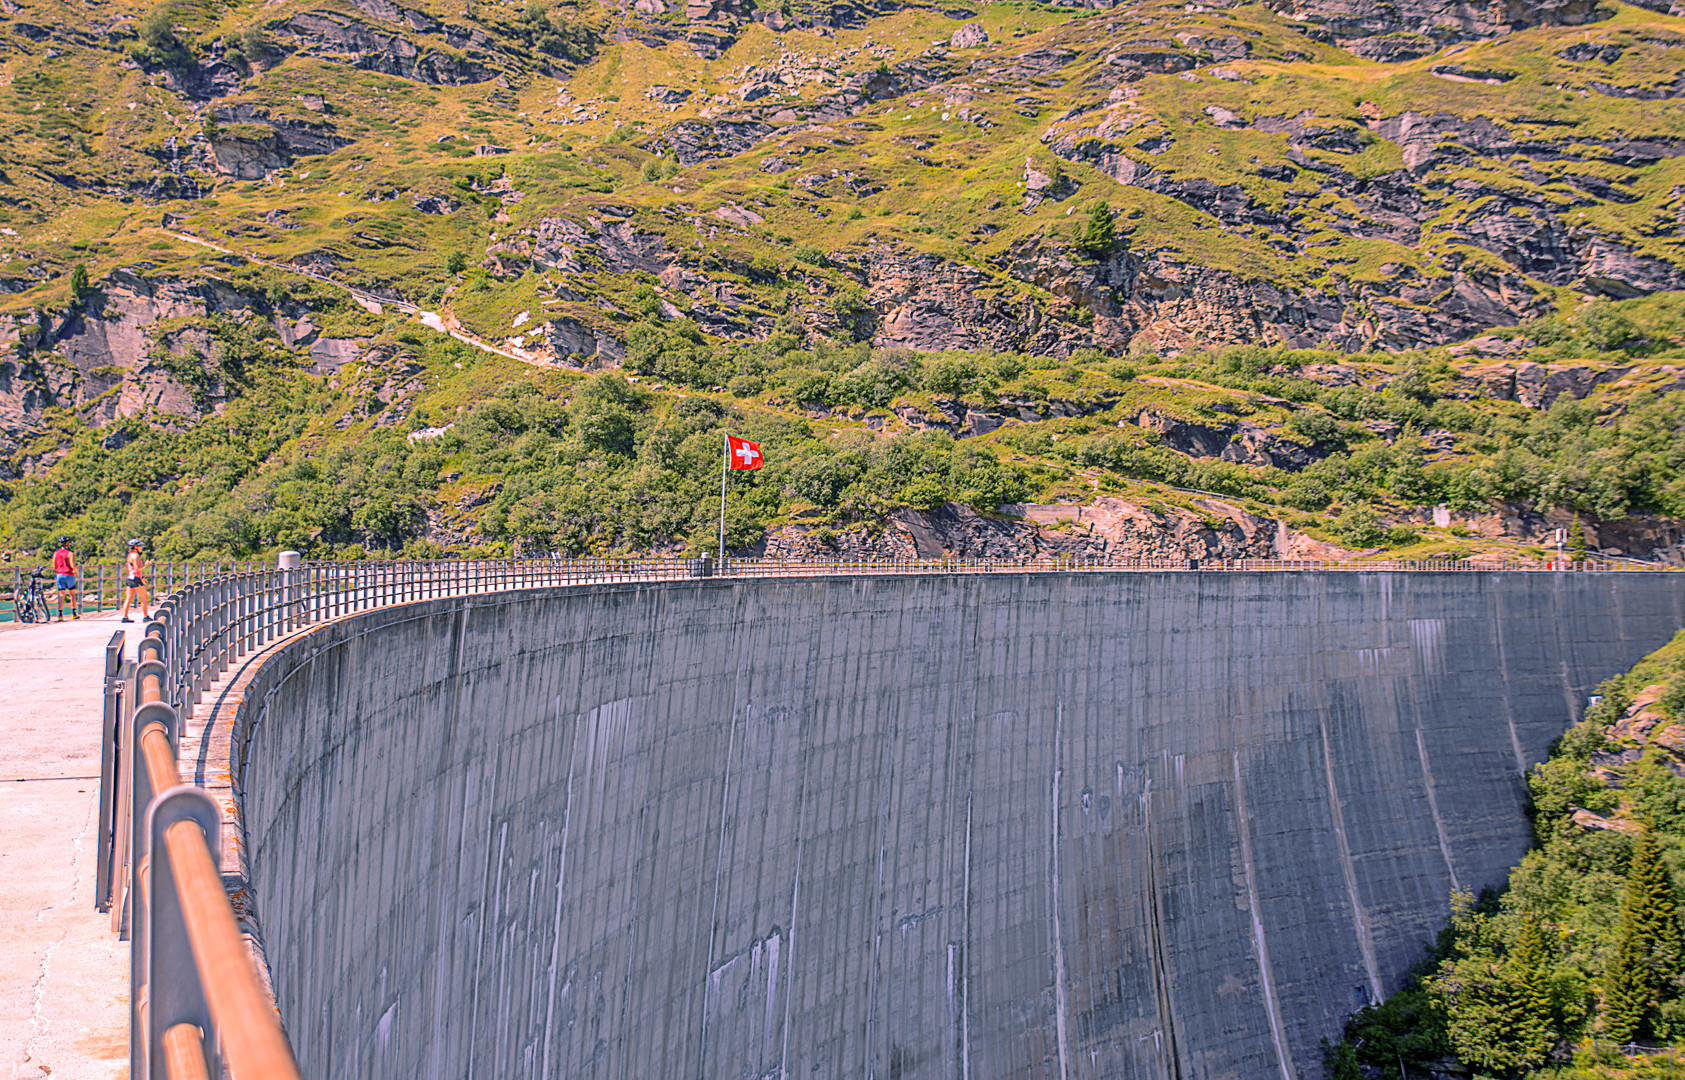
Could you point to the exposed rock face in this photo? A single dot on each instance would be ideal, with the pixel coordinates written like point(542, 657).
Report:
point(1531, 235)
point(107, 360)
point(1109, 528)
point(962, 418)
point(924, 302)
point(341, 38)
point(1245, 444)
point(247, 159)
point(260, 143)
point(573, 342)
point(1537, 386)
point(612, 244)
point(928, 303)
point(694, 141)
point(1412, 28)
point(434, 204)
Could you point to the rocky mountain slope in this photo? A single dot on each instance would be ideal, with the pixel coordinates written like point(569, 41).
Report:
point(737, 199)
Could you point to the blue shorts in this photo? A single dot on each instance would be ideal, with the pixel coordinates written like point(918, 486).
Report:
point(67, 581)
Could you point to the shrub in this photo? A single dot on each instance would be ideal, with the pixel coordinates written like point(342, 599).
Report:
point(1359, 526)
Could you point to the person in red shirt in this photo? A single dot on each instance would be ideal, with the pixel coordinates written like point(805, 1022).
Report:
point(64, 565)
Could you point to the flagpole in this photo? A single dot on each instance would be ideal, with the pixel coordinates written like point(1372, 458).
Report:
point(725, 460)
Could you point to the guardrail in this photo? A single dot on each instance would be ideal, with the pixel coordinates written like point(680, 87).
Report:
point(206, 625)
point(198, 1000)
point(100, 587)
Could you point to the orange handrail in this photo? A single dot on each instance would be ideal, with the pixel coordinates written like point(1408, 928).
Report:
point(184, 1053)
point(250, 1028)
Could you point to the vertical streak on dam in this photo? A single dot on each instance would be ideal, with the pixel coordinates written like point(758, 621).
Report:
point(1166, 826)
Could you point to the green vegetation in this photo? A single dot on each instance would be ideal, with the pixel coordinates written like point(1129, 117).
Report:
point(1583, 949)
point(576, 468)
point(566, 464)
point(1099, 235)
point(727, 221)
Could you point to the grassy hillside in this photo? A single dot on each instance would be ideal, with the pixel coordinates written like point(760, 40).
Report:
point(427, 442)
point(873, 236)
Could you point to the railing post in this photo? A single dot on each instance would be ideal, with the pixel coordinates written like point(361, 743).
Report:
point(287, 563)
point(145, 716)
point(111, 762)
point(174, 993)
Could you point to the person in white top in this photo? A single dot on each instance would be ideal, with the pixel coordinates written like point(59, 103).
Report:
point(134, 581)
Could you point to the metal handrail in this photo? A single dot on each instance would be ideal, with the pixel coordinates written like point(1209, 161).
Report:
point(197, 996)
point(208, 624)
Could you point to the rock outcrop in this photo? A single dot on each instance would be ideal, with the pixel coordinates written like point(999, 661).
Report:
point(1413, 28)
point(131, 349)
point(1107, 528)
point(341, 38)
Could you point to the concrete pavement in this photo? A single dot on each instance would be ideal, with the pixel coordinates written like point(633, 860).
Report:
point(64, 976)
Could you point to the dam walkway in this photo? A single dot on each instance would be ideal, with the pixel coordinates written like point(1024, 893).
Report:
point(64, 976)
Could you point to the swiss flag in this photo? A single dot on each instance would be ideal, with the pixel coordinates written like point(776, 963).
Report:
point(742, 454)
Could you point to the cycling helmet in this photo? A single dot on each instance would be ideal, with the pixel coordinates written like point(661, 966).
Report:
point(64, 541)
point(137, 543)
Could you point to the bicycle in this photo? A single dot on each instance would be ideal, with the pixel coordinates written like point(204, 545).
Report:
point(30, 603)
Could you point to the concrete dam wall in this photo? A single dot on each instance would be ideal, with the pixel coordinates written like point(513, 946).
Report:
point(1168, 826)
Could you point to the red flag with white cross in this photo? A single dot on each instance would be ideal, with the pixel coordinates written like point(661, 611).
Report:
point(742, 454)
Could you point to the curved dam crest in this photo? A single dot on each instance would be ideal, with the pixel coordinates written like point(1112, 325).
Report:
point(1166, 825)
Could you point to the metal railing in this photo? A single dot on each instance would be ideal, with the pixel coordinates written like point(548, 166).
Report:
point(100, 586)
point(195, 995)
point(198, 999)
point(209, 623)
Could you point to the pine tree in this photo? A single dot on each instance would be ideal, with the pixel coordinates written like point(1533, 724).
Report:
point(1486, 1011)
point(1626, 996)
point(1098, 236)
point(1648, 950)
point(1658, 912)
point(1531, 962)
point(1577, 540)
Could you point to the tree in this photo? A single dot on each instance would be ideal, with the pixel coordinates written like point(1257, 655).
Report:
point(1098, 236)
point(1485, 1011)
point(157, 28)
point(1648, 952)
point(255, 44)
point(1531, 962)
point(455, 263)
point(1577, 540)
point(79, 287)
point(161, 44)
point(1497, 993)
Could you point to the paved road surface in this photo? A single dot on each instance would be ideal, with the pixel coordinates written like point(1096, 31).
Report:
point(64, 984)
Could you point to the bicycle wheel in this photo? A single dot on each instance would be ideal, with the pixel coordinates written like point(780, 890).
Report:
point(24, 605)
